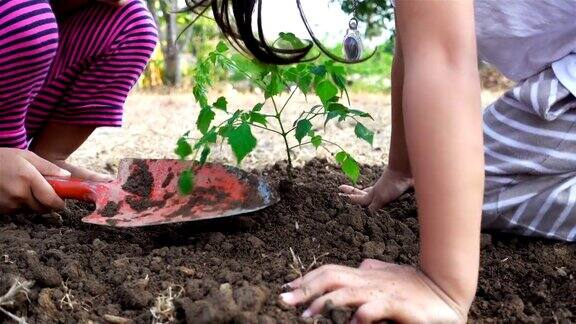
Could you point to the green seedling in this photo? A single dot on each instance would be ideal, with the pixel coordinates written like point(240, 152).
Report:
point(325, 80)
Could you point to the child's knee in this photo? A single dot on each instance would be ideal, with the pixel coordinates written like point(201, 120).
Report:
point(139, 30)
point(30, 33)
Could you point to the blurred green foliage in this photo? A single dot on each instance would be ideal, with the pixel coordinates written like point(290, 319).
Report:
point(377, 14)
point(181, 44)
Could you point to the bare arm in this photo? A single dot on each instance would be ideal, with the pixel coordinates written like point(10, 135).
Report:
point(398, 155)
point(396, 177)
point(441, 109)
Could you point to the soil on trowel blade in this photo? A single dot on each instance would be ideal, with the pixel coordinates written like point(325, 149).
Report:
point(111, 209)
point(232, 270)
point(141, 204)
point(140, 180)
point(168, 179)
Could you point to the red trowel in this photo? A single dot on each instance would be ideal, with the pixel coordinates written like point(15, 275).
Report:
point(146, 193)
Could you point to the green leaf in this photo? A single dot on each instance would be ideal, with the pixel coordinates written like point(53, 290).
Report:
point(183, 148)
point(305, 82)
point(349, 166)
point(258, 107)
point(326, 90)
point(186, 182)
point(224, 130)
point(244, 64)
point(221, 47)
point(317, 141)
point(336, 69)
point(340, 157)
point(291, 74)
point(205, 118)
point(256, 117)
point(221, 104)
point(339, 80)
point(338, 108)
point(241, 141)
point(204, 155)
point(274, 87)
point(209, 138)
point(329, 116)
point(364, 133)
point(302, 129)
point(319, 70)
point(200, 94)
point(361, 114)
point(291, 39)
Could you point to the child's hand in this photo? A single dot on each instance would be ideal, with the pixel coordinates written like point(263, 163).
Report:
point(58, 141)
point(389, 187)
point(82, 173)
point(22, 183)
point(379, 291)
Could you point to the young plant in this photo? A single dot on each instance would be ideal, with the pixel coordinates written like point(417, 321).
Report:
point(325, 80)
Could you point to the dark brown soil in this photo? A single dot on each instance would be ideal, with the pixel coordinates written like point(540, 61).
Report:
point(110, 210)
point(168, 179)
point(232, 270)
point(141, 204)
point(140, 181)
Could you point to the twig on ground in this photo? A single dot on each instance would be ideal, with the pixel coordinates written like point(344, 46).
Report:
point(298, 266)
point(113, 319)
point(316, 261)
point(68, 299)
point(7, 259)
point(164, 309)
point(8, 299)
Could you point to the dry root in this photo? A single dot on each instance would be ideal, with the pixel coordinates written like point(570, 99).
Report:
point(7, 259)
point(8, 299)
point(298, 266)
point(69, 301)
point(164, 310)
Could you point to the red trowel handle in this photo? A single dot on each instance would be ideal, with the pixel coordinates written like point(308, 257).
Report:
point(72, 188)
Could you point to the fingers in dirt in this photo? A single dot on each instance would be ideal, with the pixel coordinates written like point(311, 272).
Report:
point(353, 190)
point(353, 297)
point(319, 281)
point(376, 205)
point(361, 200)
point(381, 309)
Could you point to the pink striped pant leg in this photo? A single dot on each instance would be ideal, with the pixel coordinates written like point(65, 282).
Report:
point(28, 43)
point(103, 51)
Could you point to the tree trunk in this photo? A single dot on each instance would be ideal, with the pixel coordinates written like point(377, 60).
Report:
point(171, 50)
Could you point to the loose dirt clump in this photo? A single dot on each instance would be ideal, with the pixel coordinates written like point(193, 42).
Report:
point(111, 209)
point(232, 270)
point(141, 204)
point(168, 179)
point(140, 181)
